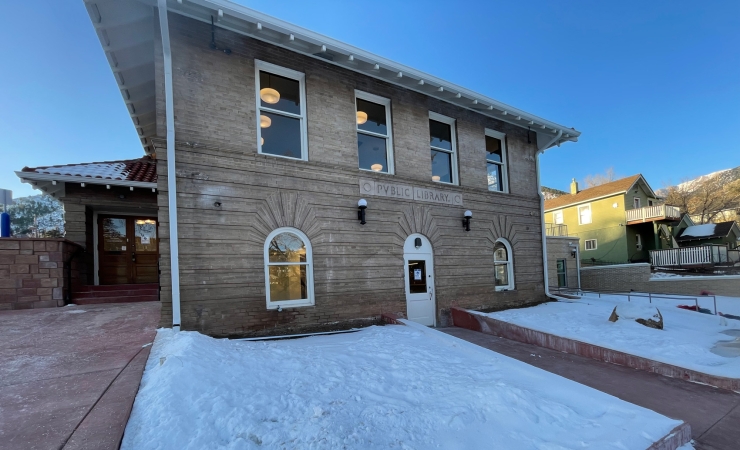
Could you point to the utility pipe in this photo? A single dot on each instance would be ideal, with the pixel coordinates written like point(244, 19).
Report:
point(542, 209)
point(171, 175)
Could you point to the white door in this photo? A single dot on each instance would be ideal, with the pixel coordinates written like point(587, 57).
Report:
point(419, 275)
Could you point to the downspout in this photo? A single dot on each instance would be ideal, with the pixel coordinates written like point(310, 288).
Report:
point(542, 209)
point(171, 175)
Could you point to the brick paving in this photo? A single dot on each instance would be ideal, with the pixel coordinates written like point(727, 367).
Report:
point(712, 413)
point(68, 378)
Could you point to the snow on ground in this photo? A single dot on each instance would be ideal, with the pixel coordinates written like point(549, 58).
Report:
point(397, 387)
point(685, 341)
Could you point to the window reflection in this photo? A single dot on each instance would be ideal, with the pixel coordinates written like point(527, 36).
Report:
point(114, 235)
point(376, 118)
point(283, 135)
point(441, 166)
point(288, 90)
point(287, 247)
point(440, 135)
point(494, 161)
point(372, 152)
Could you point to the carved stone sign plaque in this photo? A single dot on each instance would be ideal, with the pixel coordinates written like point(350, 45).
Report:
point(406, 192)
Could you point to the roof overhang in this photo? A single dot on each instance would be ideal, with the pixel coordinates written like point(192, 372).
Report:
point(54, 185)
point(126, 32)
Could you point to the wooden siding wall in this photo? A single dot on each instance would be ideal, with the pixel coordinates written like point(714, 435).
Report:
point(358, 270)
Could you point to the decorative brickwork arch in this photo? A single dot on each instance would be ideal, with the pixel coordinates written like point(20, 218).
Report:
point(283, 209)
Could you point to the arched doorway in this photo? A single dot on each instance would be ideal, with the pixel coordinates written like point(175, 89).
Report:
point(418, 261)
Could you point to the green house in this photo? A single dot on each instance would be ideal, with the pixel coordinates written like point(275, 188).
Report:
point(617, 222)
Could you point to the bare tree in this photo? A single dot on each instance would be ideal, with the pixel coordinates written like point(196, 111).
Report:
point(598, 179)
point(706, 198)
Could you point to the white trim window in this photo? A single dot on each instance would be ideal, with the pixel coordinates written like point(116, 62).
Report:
point(374, 135)
point(443, 146)
point(651, 202)
point(590, 244)
point(496, 161)
point(503, 265)
point(636, 202)
point(557, 217)
point(584, 214)
point(288, 269)
point(281, 111)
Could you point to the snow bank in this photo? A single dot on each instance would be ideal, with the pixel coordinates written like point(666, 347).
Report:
point(686, 340)
point(382, 387)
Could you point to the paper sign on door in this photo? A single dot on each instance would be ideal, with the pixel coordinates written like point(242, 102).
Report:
point(417, 274)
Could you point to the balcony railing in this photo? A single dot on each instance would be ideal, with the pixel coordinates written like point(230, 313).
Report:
point(556, 229)
point(705, 255)
point(652, 213)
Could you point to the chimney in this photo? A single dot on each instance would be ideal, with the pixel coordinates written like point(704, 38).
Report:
point(574, 187)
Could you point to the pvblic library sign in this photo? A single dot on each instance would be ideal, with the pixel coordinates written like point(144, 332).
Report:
point(406, 192)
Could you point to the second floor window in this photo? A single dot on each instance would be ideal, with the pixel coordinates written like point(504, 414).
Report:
point(584, 214)
point(281, 108)
point(557, 217)
point(374, 141)
point(496, 161)
point(636, 202)
point(443, 148)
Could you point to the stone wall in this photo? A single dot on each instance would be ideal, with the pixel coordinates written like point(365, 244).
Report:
point(558, 247)
point(33, 272)
point(636, 277)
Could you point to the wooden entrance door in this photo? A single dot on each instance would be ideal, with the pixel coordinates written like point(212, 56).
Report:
point(128, 250)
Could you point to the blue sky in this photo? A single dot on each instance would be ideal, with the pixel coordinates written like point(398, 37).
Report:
point(653, 86)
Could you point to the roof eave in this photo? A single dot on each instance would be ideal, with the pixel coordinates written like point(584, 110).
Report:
point(32, 176)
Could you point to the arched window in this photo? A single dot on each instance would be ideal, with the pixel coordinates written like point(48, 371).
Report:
point(503, 265)
point(288, 269)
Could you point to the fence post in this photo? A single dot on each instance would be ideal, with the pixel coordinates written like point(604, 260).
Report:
point(715, 304)
point(650, 297)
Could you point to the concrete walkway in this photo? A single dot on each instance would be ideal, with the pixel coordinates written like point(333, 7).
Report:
point(68, 376)
point(713, 414)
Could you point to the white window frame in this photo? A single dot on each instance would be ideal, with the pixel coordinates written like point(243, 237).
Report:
point(636, 202)
point(453, 153)
point(310, 301)
point(651, 202)
point(504, 160)
point(638, 242)
point(509, 266)
point(590, 214)
point(595, 245)
point(389, 138)
point(262, 66)
point(555, 216)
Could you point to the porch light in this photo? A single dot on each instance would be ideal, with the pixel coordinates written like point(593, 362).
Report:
point(269, 95)
point(377, 167)
point(435, 177)
point(362, 205)
point(265, 121)
point(417, 243)
point(466, 220)
point(361, 117)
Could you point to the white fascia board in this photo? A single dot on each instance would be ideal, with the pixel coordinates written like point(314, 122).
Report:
point(646, 184)
point(467, 96)
point(586, 201)
point(70, 179)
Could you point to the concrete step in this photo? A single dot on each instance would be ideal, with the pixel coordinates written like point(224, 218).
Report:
point(117, 293)
point(119, 299)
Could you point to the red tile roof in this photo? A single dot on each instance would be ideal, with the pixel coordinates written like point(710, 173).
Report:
point(615, 187)
point(142, 170)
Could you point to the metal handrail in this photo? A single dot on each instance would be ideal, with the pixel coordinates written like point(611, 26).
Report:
point(648, 295)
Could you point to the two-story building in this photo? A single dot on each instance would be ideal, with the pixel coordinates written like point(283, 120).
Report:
point(303, 183)
point(616, 222)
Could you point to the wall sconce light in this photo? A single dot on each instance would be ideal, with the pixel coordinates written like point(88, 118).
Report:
point(417, 243)
point(362, 205)
point(466, 220)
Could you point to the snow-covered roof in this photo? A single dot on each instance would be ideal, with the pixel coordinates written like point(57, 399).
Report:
point(699, 230)
point(707, 231)
point(140, 170)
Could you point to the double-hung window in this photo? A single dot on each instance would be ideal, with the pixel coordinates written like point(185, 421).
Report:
point(496, 161)
point(374, 138)
point(584, 214)
point(590, 244)
point(443, 147)
point(557, 217)
point(503, 265)
point(281, 111)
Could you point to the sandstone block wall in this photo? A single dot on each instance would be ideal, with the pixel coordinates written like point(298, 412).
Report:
point(33, 272)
